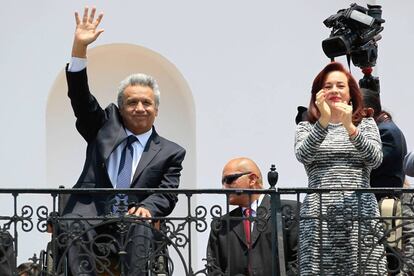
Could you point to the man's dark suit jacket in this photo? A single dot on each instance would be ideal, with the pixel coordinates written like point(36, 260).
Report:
point(224, 245)
point(391, 172)
point(103, 130)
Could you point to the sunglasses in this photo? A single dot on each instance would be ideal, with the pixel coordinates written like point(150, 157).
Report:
point(228, 179)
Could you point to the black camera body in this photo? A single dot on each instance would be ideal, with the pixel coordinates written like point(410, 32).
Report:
point(355, 32)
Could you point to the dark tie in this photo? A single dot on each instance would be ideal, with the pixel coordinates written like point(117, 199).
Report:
point(125, 164)
point(246, 224)
point(124, 175)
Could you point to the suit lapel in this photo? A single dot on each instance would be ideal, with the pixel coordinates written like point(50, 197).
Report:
point(150, 151)
point(238, 229)
point(111, 135)
point(261, 219)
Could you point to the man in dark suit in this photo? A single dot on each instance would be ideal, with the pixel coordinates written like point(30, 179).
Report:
point(236, 247)
point(390, 174)
point(124, 150)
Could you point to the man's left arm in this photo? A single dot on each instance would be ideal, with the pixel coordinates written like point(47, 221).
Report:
point(159, 204)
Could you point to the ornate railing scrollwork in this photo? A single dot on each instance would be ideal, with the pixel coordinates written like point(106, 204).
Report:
point(107, 242)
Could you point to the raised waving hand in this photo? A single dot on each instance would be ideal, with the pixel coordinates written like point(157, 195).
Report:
point(86, 31)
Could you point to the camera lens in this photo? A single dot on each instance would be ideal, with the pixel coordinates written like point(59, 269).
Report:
point(336, 46)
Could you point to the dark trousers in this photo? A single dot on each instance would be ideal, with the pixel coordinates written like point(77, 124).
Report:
point(92, 248)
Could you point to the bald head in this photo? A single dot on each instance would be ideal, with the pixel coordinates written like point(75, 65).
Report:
point(243, 164)
point(242, 173)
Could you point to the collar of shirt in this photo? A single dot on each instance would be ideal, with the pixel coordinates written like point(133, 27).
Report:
point(255, 204)
point(142, 138)
point(115, 156)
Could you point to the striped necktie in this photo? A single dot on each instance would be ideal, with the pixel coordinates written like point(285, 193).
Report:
point(124, 175)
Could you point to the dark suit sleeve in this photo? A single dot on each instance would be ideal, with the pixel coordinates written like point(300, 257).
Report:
point(390, 173)
point(291, 230)
point(213, 254)
point(391, 147)
point(163, 204)
point(89, 115)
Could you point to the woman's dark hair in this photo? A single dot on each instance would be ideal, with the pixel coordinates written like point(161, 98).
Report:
point(354, 92)
point(372, 100)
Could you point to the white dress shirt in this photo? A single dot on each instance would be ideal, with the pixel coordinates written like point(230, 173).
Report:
point(255, 204)
point(114, 159)
point(77, 64)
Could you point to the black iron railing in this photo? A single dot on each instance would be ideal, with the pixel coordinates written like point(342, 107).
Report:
point(173, 243)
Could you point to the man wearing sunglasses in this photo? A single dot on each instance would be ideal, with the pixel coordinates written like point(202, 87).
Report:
point(239, 246)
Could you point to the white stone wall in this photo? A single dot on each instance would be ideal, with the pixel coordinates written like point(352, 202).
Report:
point(248, 64)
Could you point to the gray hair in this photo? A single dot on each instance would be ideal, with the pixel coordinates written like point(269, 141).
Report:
point(138, 79)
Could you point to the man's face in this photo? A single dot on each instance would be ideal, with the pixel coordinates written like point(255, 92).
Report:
point(138, 110)
point(237, 179)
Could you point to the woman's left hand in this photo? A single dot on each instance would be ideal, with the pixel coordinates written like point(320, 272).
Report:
point(345, 111)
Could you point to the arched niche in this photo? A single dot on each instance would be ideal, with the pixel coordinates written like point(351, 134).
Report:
point(107, 66)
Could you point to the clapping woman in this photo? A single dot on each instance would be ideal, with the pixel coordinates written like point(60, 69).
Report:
point(338, 147)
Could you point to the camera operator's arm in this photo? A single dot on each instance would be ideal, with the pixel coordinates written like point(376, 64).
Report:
point(86, 32)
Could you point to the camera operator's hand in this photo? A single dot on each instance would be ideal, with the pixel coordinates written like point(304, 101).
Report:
point(323, 107)
point(86, 31)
